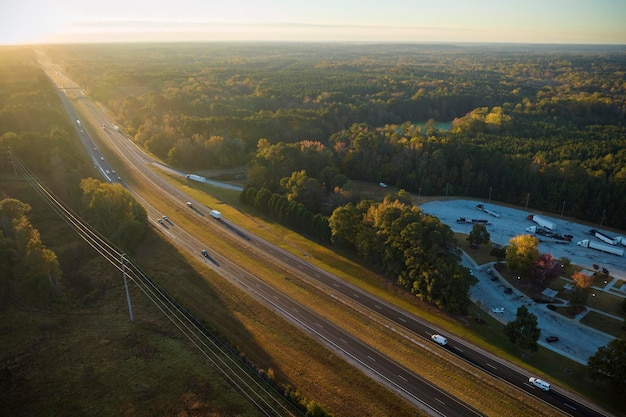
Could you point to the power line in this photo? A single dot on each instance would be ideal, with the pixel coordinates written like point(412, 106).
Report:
point(242, 376)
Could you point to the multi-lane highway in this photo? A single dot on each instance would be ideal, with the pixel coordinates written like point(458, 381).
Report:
point(420, 392)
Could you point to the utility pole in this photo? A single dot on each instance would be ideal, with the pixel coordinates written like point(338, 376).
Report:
point(490, 188)
point(130, 306)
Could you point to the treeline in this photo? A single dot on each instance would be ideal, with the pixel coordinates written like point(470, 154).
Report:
point(289, 213)
point(30, 274)
point(416, 249)
point(543, 125)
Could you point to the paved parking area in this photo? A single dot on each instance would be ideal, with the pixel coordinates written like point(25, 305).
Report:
point(576, 340)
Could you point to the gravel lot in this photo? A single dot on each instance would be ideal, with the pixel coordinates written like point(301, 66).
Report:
point(576, 341)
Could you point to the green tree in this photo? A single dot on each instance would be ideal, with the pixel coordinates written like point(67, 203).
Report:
point(609, 364)
point(478, 235)
point(299, 187)
point(114, 212)
point(523, 331)
point(521, 254)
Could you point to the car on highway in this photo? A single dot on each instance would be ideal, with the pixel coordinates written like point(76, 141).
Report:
point(508, 290)
point(102, 158)
point(498, 310)
point(160, 221)
point(167, 219)
point(551, 339)
point(437, 338)
point(539, 383)
point(204, 253)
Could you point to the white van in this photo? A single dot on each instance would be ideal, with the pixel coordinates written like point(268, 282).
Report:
point(539, 383)
point(439, 339)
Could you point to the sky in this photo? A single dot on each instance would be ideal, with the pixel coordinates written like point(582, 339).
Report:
point(519, 21)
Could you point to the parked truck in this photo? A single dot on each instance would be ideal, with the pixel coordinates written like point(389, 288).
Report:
point(216, 214)
point(549, 235)
point(604, 237)
point(542, 221)
point(484, 209)
point(586, 243)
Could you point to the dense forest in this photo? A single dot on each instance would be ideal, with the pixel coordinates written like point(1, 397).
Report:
point(542, 125)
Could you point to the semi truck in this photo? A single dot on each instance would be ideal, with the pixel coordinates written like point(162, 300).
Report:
point(586, 243)
point(604, 237)
point(542, 222)
point(463, 220)
point(549, 235)
point(484, 209)
point(216, 214)
point(194, 177)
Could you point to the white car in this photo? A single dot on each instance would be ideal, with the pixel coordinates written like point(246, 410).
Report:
point(498, 310)
point(439, 339)
point(539, 383)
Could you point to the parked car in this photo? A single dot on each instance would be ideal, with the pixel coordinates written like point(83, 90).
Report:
point(498, 310)
point(551, 339)
point(508, 290)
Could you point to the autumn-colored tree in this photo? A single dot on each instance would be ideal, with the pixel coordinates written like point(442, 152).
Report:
point(580, 294)
point(521, 254)
point(545, 269)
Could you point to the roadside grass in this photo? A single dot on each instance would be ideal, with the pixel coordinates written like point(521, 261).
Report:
point(605, 323)
point(84, 357)
point(376, 285)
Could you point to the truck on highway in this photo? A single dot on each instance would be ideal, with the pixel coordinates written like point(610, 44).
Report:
point(542, 221)
point(78, 123)
point(194, 177)
point(604, 237)
point(586, 243)
point(216, 214)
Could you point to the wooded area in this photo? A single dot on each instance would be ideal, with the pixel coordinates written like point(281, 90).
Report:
point(542, 125)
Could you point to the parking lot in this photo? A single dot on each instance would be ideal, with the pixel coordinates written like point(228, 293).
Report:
point(575, 340)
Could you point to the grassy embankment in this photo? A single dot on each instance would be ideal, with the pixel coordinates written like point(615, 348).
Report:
point(347, 269)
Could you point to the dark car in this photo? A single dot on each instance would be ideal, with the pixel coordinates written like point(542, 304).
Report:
point(508, 290)
point(205, 253)
point(551, 339)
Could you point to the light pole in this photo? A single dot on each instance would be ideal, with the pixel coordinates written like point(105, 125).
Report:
point(563, 209)
point(527, 198)
point(490, 188)
point(602, 220)
point(447, 184)
point(518, 278)
point(419, 194)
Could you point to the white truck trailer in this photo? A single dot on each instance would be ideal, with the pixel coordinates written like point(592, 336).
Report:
point(194, 177)
point(604, 237)
point(542, 221)
point(586, 243)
